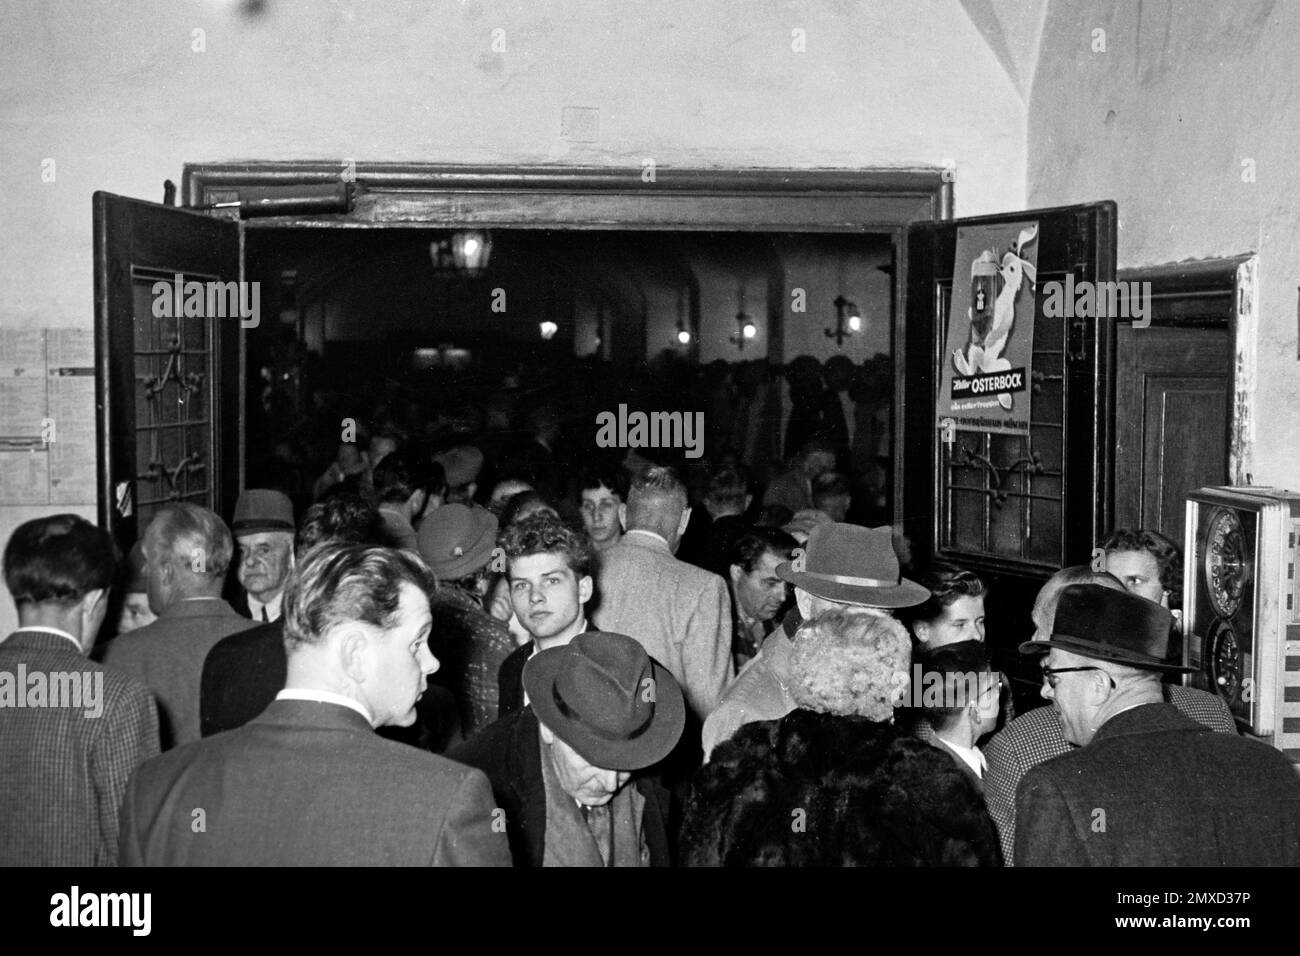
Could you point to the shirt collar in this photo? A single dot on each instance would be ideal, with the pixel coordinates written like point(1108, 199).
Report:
point(272, 607)
point(324, 697)
point(650, 534)
point(972, 756)
point(41, 629)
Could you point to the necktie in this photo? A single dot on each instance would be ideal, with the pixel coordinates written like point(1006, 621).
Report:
point(600, 823)
point(265, 616)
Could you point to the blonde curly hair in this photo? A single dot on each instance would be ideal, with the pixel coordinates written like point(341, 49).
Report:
point(844, 663)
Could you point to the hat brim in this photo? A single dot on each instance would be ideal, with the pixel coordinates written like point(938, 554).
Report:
point(654, 743)
point(257, 525)
point(1111, 654)
point(904, 594)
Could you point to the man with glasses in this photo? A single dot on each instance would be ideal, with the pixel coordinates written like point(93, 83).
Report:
point(1037, 736)
point(1149, 786)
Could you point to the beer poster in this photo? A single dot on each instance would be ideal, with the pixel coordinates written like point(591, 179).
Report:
point(987, 358)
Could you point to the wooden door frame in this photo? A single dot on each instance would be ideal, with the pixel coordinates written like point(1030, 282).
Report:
point(430, 195)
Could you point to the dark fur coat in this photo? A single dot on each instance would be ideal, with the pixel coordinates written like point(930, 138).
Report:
point(817, 789)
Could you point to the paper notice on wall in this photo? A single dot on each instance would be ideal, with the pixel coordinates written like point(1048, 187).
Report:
point(47, 416)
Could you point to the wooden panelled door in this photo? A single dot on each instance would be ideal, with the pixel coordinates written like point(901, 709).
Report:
point(169, 424)
point(1014, 509)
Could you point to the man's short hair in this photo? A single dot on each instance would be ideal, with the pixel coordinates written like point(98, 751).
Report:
point(181, 532)
point(750, 547)
point(947, 584)
point(345, 517)
point(604, 474)
point(844, 663)
point(954, 666)
point(1169, 556)
point(830, 484)
point(402, 473)
point(655, 487)
point(58, 559)
point(336, 582)
point(727, 489)
point(544, 533)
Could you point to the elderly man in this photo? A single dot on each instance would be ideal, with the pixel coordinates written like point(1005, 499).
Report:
point(757, 592)
point(566, 769)
point(677, 611)
point(1036, 736)
point(842, 566)
point(1149, 786)
point(308, 782)
point(263, 528)
point(65, 759)
point(187, 552)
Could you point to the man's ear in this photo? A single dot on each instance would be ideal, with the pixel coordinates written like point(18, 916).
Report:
point(586, 587)
point(803, 601)
point(471, 489)
point(749, 500)
point(353, 644)
point(922, 631)
point(685, 520)
point(622, 516)
point(736, 571)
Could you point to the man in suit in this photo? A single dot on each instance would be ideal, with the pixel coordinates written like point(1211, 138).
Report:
point(679, 613)
point(308, 782)
point(187, 551)
point(960, 700)
point(548, 569)
point(263, 528)
point(1035, 737)
point(1149, 786)
point(243, 672)
point(67, 753)
point(842, 566)
point(757, 592)
point(600, 713)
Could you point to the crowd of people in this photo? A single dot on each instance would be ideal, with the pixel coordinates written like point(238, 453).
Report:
point(505, 648)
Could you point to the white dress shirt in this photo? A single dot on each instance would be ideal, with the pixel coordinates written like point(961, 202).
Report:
point(272, 607)
point(973, 757)
point(40, 629)
point(324, 697)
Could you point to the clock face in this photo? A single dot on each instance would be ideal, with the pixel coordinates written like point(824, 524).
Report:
point(1226, 666)
point(1226, 562)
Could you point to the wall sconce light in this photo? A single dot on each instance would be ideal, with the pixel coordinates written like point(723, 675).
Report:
point(745, 327)
point(683, 333)
point(466, 253)
point(848, 321)
point(548, 329)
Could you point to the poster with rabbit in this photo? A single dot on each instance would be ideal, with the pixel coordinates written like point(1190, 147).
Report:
point(987, 359)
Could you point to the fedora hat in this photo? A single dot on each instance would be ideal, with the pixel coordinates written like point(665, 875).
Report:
point(852, 565)
point(1110, 625)
point(605, 697)
point(262, 509)
point(460, 465)
point(456, 539)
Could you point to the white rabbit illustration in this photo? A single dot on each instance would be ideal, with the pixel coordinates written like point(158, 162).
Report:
point(983, 353)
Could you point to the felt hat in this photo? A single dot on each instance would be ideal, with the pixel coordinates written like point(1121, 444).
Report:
point(852, 565)
point(262, 509)
point(457, 540)
point(1109, 625)
point(605, 697)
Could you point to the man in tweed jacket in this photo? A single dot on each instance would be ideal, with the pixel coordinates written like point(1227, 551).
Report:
point(679, 613)
point(71, 731)
point(1036, 737)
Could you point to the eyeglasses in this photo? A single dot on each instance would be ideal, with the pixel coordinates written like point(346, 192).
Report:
point(1049, 674)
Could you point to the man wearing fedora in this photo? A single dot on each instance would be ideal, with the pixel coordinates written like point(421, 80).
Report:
point(568, 768)
point(1036, 736)
point(1148, 786)
point(841, 566)
point(263, 528)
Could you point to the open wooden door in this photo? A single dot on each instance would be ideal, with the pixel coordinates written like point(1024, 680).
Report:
point(169, 415)
point(1013, 508)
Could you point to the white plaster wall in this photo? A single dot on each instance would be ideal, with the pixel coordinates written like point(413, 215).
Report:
point(113, 92)
point(1162, 122)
